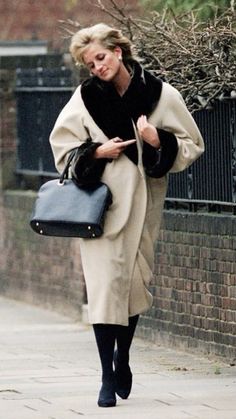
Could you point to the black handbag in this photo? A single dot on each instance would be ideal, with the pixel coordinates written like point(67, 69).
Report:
point(64, 209)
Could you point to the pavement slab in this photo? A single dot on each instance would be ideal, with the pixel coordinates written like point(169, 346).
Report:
point(50, 369)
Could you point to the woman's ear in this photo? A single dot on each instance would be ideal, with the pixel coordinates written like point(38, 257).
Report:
point(118, 52)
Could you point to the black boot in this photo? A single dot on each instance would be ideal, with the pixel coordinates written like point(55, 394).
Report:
point(105, 337)
point(123, 374)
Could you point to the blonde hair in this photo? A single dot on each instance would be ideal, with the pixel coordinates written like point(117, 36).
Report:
point(107, 36)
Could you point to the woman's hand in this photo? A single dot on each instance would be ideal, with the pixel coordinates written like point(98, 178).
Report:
point(148, 132)
point(112, 149)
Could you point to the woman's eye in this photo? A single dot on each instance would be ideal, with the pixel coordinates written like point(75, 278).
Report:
point(101, 57)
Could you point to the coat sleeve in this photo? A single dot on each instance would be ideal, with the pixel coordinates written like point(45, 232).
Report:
point(70, 130)
point(159, 162)
point(85, 169)
point(173, 116)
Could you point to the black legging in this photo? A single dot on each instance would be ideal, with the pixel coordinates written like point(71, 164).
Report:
point(106, 336)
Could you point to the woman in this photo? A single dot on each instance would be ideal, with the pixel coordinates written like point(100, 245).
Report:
point(131, 129)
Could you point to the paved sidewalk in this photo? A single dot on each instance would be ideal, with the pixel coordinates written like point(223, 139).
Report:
point(49, 369)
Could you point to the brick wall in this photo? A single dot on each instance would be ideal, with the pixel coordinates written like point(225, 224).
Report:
point(40, 270)
point(36, 269)
point(194, 285)
point(30, 19)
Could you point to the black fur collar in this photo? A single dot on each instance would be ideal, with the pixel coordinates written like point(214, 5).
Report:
point(114, 113)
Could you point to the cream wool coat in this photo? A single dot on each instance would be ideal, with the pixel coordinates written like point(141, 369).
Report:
point(118, 266)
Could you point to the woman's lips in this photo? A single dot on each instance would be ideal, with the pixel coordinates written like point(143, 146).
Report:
point(103, 72)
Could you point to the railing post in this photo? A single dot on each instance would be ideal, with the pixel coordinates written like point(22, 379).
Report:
point(233, 142)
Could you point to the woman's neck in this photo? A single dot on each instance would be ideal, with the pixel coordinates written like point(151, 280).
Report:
point(122, 80)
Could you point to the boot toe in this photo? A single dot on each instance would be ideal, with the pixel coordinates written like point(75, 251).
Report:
point(123, 379)
point(107, 396)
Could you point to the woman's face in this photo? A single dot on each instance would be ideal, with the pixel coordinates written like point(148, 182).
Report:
point(102, 62)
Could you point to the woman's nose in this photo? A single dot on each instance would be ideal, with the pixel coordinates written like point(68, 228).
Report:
point(98, 66)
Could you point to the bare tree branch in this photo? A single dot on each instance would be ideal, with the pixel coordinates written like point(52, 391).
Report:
point(199, 58)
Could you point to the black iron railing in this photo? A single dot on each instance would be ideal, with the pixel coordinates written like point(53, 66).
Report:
point(212, 178)
point(210, 182)
point(40, 96)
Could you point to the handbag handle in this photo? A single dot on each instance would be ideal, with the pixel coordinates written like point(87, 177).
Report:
point(65, 173)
